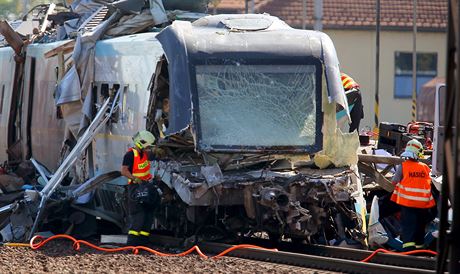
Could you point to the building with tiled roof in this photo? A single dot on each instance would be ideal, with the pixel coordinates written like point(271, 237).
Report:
point(394, 14)
point(351, 25)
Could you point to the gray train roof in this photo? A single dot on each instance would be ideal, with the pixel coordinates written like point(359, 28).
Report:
point(240, 36)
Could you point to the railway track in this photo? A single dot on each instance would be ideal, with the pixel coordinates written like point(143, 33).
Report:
point(320, 257)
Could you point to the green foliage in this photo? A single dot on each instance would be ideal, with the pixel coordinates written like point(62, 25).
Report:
point(8, 9)
point(214, 3)
point(13, 9)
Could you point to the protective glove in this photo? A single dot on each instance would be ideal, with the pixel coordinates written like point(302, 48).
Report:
point(138, 181)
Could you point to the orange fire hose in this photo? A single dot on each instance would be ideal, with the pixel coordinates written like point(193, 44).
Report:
point(421, 251)
point(38, 241)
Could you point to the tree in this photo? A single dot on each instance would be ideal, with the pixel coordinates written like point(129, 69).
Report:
point(8, 9)
point(214, 4)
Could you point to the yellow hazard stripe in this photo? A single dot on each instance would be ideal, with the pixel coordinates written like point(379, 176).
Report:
point(141, 174)
point(408, 244)
point(376, 115)
point(413, 198)
point(144, 233)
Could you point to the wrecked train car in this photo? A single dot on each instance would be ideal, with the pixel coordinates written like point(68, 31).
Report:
point(244, 105)
point(246, 110)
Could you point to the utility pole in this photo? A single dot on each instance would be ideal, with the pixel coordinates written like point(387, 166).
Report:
point(304, 14)
point(377, 65)
point(414, 62)
point(318, 15)
point(25, 6)
point(448, 258)
point(246, 7)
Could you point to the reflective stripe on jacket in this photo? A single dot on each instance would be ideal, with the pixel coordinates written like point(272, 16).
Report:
point(414, 190)
point(348, 82)
point(141, 166)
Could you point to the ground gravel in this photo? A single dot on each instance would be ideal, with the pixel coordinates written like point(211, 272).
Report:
point(59, 257)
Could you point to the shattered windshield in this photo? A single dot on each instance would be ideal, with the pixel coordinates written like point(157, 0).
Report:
point(257, 105)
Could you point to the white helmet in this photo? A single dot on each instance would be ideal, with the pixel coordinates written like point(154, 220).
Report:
point(413, 150)
point(144, 139)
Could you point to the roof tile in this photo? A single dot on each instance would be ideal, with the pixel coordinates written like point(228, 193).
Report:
point(431, 14)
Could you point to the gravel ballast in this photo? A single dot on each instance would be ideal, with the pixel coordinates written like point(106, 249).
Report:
point(60, 257)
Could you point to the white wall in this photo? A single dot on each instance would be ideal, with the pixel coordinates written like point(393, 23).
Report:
point(356, 51)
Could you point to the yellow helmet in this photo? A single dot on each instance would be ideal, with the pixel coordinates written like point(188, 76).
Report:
point(144, 139)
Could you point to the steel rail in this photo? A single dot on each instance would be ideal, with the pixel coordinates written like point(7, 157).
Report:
point(350, 254)
point(351, 264)
point(310, 261)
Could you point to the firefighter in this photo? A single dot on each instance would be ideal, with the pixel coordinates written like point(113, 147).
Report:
point(141, 194)
point(412, 193)
point(352, 88)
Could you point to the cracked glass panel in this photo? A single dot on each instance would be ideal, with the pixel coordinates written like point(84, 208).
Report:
point(257, 105)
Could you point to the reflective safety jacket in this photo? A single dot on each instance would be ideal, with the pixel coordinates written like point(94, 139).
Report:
point(141, 166)
point(348, 82)
point(414, 190)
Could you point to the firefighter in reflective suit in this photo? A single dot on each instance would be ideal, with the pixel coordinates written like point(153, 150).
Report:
point(412, 193)
point(136, 167)
point(354, 98)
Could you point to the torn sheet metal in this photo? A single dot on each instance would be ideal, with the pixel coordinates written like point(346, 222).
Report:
point(131, 24)
point(158, 11)
point(212, 174)
point(135, 57)
point(339, 149)
point(129, 6)
point(334, 82)
point(7, 69)
point(85, 8)
point(70, 82)
point(82, 71)
point(190, 5)
point(46, 127)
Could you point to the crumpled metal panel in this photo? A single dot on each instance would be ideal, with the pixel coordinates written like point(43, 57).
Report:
point(135, 57)
point(339, 149)
point(46, 129)
point(7, 68)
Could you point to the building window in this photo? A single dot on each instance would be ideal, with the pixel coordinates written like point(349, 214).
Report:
point(427, 69)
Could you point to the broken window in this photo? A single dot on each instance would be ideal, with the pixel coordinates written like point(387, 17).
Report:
point(258, 105)
point(105, 90)
point(158, 110)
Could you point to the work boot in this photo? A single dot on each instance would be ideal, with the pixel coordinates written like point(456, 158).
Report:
point(134, 240)
point(409, 246)
point(145, 240)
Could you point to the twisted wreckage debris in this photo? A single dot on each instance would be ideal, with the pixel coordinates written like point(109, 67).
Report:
point(241, 159)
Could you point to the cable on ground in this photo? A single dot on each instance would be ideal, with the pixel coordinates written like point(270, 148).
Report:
point(38, 241)
point(412, 252)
